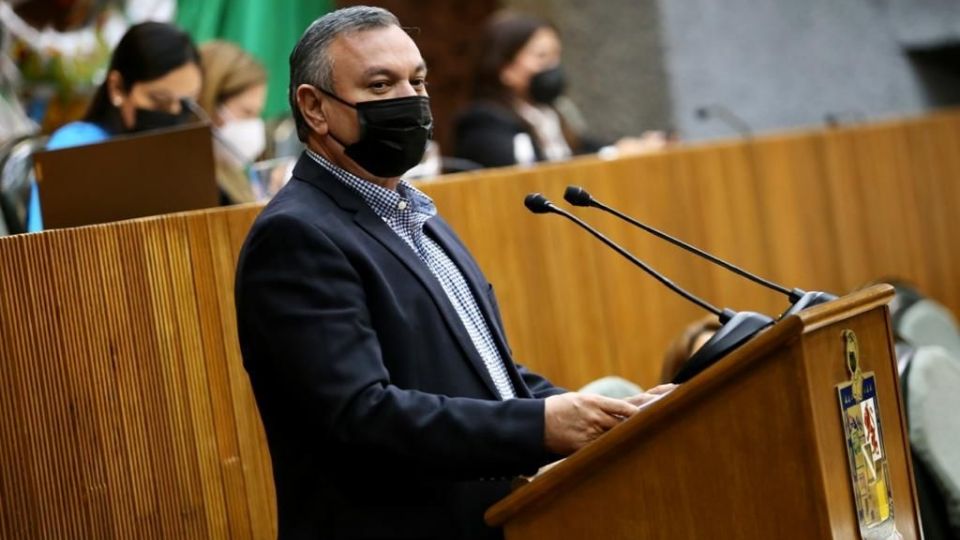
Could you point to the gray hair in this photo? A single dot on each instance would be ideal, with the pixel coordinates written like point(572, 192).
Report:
point(309, 61)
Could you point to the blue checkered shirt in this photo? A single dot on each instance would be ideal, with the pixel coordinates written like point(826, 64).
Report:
point(405, 211)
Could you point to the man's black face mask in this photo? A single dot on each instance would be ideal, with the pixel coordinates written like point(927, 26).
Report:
point(393, 134)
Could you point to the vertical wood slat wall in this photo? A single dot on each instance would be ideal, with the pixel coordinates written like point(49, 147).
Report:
point(820, 210)
point(124, 408)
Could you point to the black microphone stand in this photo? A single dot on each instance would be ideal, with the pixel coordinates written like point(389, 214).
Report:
point(726, 116)
point(799, 299)
point(736, 329)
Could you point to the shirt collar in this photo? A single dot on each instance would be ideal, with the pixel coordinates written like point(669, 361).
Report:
point(384, 202)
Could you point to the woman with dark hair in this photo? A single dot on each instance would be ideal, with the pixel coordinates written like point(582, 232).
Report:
point(516, 116)
point(154, 68)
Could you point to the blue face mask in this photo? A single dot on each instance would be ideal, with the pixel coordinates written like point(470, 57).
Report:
point(393, 134)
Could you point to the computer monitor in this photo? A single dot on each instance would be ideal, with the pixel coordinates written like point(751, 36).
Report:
point(129, 176)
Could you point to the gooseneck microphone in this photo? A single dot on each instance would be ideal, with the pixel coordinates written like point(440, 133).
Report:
point(848, 116)
point(799, 299)
point(538, 204)
point(736, 329)
point(725, 115)
point(202, 115)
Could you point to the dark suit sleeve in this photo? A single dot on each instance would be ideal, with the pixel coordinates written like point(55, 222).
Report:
point(539, 386)
point(307, 333)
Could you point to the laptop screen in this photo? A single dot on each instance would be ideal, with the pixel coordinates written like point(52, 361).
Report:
point(130, 176)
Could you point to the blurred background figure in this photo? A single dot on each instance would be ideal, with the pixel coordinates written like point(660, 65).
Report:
point(14, 122)
point(242, 23)
point(55, 55)
point(154, 68)
point(694, 336)
point(234, 95)
point(519, 114)
point(612, 386)
point(927, 340)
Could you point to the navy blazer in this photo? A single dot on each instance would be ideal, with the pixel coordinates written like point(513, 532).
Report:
point(381, 417)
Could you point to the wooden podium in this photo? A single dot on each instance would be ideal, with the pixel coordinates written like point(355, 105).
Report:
point(753, 447)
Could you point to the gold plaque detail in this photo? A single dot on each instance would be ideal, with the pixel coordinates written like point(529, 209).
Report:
point(869, 472)
point(851, 349)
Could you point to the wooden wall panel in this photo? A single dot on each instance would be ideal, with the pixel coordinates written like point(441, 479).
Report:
point(817, 210)
point(124, 407)
point(120, 385)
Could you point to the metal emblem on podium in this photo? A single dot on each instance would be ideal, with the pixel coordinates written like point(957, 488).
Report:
point(869, 472)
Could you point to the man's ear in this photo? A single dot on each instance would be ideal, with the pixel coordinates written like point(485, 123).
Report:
point(309, 103)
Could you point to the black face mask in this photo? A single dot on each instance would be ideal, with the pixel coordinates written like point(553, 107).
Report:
point(393, 134)
point(146, 119)
point(547, 85)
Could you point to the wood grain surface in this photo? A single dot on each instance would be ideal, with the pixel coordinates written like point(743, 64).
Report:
point(124, 407)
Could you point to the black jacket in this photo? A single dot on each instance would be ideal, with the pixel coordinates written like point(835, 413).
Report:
point(484, 134)
point(381, 418)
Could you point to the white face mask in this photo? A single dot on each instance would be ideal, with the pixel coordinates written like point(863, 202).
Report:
point(241, 141)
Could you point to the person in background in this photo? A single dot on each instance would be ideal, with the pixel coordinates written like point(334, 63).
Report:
point(694, 336)
point(927, 342)
point(234, 94)
point(153, 69)
point(519, 114)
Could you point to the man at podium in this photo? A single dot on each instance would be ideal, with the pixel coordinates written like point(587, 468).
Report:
point(373, 342)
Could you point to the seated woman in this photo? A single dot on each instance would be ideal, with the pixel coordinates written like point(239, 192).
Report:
point(234, 94)
point(516, 116)
point(153, 69)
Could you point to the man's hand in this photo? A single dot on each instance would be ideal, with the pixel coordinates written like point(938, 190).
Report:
point(651, 394)
point(573, 419)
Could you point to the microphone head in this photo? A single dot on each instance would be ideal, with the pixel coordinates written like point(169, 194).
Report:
point(191, 105)
point(806, 300)
point(577, 196)
point(537, 203)
point(737, 329)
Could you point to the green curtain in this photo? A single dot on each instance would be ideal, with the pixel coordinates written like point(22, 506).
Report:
point(268, 29)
